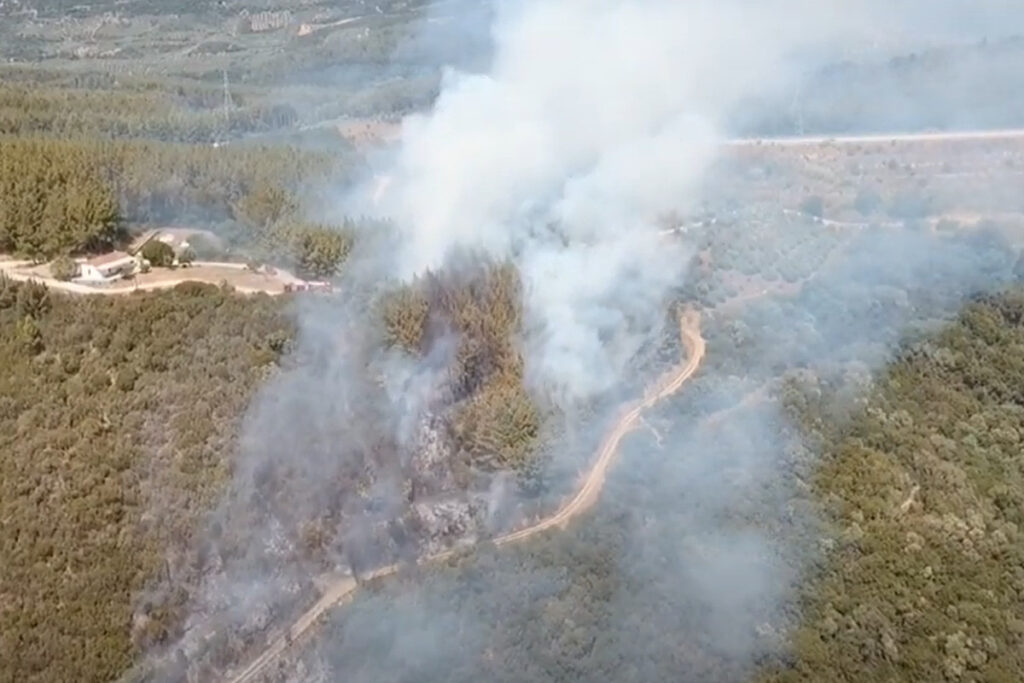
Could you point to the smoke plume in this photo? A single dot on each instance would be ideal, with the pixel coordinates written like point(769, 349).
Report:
point(594, 120)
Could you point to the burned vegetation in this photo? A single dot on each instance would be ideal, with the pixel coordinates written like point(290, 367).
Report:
point(423, 447)
point(492, 420)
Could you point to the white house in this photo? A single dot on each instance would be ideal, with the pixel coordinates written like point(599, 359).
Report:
point(106, 268)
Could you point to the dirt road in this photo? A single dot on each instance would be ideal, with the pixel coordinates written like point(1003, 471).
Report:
point(339, 591)
point(211, 273)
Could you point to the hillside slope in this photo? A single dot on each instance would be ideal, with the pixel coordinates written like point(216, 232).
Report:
point(924, 490)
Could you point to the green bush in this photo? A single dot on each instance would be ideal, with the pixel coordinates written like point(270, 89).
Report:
point(159, 254)
point(125, 379)
point(29, 338)
point(63, 268)
point(193, 288)
point(320, 251)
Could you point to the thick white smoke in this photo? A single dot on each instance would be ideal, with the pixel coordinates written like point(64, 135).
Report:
point(596, 117)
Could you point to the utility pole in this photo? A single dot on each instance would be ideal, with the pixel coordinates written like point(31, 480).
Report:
point(228, 102)
point(797, 109)
point(226, 110)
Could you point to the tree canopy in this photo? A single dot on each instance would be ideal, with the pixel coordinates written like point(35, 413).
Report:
point(112, 409)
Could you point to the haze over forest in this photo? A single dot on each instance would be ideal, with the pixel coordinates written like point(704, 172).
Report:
point(535, 341)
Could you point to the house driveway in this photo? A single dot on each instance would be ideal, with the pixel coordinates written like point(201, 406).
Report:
point(236, 275)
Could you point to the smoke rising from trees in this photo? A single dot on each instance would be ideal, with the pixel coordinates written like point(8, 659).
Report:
point(594, 120)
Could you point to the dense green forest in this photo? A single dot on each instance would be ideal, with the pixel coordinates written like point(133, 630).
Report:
point(924, 491)
point(97, 106)
point(121, 418)
point(117, 419)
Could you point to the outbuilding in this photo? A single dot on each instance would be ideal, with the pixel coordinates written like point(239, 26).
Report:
point(106, 268)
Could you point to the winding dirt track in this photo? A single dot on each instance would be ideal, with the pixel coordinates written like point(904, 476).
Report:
point(339, 591)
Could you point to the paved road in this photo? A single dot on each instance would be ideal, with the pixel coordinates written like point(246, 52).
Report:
point(794, 140)
point(339, 591)
point(933, 136)
point(811, 140)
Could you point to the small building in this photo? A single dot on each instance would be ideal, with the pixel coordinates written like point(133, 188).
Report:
point(261, 22)
point(106, 268)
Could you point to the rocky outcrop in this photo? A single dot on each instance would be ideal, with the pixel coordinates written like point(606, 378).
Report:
point(446, 521)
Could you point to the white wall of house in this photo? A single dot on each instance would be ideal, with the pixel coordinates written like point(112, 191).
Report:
point(89, 272)
point(107, 272)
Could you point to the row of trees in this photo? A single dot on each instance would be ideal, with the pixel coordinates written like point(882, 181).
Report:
point(76, 196)
point(146, 112)
point(272, 217)
point(53, 200)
